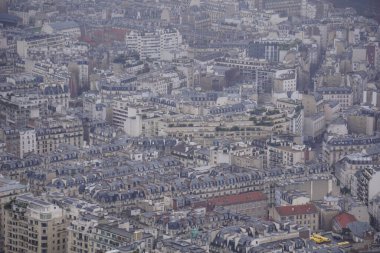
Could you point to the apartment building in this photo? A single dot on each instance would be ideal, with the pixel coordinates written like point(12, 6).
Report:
point(292, 197)
point(34, 225)
point(362, 124)
point(143, 122)
point(120, 85)
point(304, 215)
point(19, 111)
point(285, 81)
point(95, 108)
point(80, 232)
point(312, 103)
point(153, 44)
point(314, 125)
point(250, 203)
point(57, 96)
point(336, 147)
point(36, 41)
point(120, 111)
point(159, 85)
point(55, 131)
point(253, 70)
point(343, 95)
point(346, 169)
point(11, 139)
point(19, 141)
point(279, 155)
point(28, 142)
point(9, 189)
point(368, 181)
point(288, 7)
point(265, 50)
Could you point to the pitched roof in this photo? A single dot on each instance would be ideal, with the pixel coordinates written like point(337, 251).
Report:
point(296, 209)
point(344, 219)
point(237, 199)
point(360, 229)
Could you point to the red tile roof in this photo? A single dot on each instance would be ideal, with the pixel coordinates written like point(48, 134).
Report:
point(344, 219)
point(237, 199)
point(296, 210)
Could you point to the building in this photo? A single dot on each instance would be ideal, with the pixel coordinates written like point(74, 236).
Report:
point(79, 233)
point(56, 131)
point(154, 45)
point(9, 189)
point(34, 225)
point(23, 45)
point(288, 7)
point(158, 85)
point(279, 155)
point(327, 212)
point(265, 50)
point(258, 237)
point(361, 124)
point(314, 126)
point(343, 95)
point(250, 203)
point(28, 142)
point(285, 81)
point(312, 103)
point(107, 237)
point(21, 110)
point(374, 211)
point(368, 180)
point(20, 142)
point(142, 122)
point(336, 147)
point(258, 73)
point(303, 215)
point(11, 139)
point(346, 168)
point(57, 95)
point(69, 28)
point(293, 197)
point(341, 221)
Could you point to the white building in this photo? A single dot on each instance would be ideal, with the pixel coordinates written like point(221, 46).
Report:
point(28, 143)
point(285, 81)
point(154, 45)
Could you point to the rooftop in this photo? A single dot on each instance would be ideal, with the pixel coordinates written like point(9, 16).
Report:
point(296, 210)
point(238, 199)
point(344, 219)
